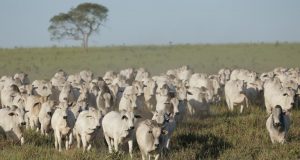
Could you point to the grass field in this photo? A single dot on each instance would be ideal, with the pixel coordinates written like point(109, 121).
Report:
point(222, 135)
point(42, 63)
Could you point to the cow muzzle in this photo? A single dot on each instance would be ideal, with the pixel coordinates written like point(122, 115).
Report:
point(277, 124)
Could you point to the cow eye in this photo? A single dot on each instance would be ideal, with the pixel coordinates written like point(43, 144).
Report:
point(285, 94)
point(150, 131)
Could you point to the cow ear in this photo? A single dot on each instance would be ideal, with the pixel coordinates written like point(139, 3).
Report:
point(164, 132)
point(137, 116)
point(70, 104)
point(124, 117)
point(37, 104)
point(11, 113)
point(169, 114)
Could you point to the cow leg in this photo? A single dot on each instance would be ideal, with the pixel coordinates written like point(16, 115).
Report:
point(247, 102)
point(67, 143)
point(157, 157)
point(108, 143)
point(55, 141)
point(116, 140)
point(112, 142)
point(42, 129)
point(168, 143)
point(31, 124)
point(22, 140)
point(190, 108)
point(227, 102)
point(272, 139)
point(78, 140)
point(231, 106)
point(59, 141)
point(89, 147)
point(242, 107)
point(144, 155)
point(70, 139)
point(36, 122)
point(130, 144)
point(84, 142)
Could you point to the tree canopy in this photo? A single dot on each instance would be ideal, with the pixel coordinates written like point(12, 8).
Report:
point(79, 23)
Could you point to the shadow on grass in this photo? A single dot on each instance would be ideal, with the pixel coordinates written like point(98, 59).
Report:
point(208, 146)
point(35, 138)
point(225, 113)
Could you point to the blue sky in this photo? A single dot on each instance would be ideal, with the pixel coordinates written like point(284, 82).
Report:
point(135, 22)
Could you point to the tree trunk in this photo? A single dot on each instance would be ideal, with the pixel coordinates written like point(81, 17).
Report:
point(85, 41)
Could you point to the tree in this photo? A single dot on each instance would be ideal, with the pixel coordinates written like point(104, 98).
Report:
point(79, 23)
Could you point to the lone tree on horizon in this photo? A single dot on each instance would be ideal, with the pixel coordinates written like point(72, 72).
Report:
point(79, 23)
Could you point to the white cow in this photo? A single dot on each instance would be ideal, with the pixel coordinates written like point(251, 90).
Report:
point(254, 92)
point(10, 94)
point(86, 126)
point(149, 93)
point(67, 94)
point(86, 76)
point(234, 94)
point(148, 136)
point(78, 107)
point(196, 101)
point(45, 115)
point(128, 101)
point(74, 80)
point(22, 77)
point(11, 121)
point(275, 94)
point(59, 79)
point(62, 123)
point(129, 74)
point(169, 124)
point(104, 100)
point(243, 74)
point(224, 74)
point(118, 127)
point(141, 74)
point(42, 88)
point(109, 76)
point(32, 107)
point(278, 125)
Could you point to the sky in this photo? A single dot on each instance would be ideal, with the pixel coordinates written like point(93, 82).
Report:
point(157, 22)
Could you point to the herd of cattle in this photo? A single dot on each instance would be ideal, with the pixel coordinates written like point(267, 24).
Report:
point(133, 106)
